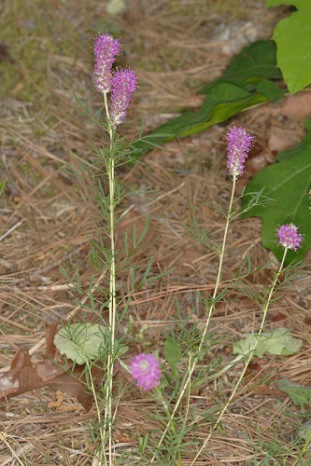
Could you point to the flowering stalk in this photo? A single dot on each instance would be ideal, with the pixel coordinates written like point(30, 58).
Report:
point(145, 370)
point(121, 85)
point(112, 292)
point(239, 145)
point(289, 238)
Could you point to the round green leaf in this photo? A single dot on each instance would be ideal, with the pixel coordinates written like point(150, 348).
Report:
point(81, 341)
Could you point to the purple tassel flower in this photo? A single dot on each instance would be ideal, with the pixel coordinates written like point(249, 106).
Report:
point(105, 49)
point(289, 237)
point(123, 84)
point(145, 369)
point(239, 145)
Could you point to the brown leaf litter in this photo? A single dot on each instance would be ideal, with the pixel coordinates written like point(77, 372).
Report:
point(49, 218)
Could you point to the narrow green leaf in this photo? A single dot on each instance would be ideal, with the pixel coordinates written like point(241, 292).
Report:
point(172, 353)
point(147, 272)
point(2, 185)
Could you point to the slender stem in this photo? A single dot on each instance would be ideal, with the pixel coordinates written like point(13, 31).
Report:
point(98, 411)
point(170, 421)
point(221, 258)
point(211, 307)
point(247, 361)
point(106, 107)
point(224, 369)
point(112, 285)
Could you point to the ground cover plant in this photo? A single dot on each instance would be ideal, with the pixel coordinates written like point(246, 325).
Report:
point(175, 346)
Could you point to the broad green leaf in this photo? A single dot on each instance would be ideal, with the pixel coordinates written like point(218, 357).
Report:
point(270, 90)
point(304, 4)
point(223, 101)
point(293, 37)
point(287, 183)
point(172, 353)
point(238, 89)
point(253, 64)
point(81, 341)
point(299, 394)
point(278, 341)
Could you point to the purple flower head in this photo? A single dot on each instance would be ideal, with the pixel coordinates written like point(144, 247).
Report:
point(105, 49)
point(145, 369)
point(289, 237)
point(123, 84)
point(239, 145)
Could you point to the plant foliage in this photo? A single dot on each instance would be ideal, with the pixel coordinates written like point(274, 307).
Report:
point(293, 37)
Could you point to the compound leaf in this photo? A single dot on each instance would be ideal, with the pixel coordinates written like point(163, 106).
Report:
point(172, 352)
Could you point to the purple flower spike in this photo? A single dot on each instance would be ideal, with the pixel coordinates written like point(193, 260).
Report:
point(239, 145)
point(123, 84)
point(105, 49)
point(145, 369)
point(289, 237)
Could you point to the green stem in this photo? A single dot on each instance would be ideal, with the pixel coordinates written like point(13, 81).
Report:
point(98, 411)
point(247, 361)
point(221, 259)
point(171, 423)
point(209, 315)
point(228, 366)
point(112, 286)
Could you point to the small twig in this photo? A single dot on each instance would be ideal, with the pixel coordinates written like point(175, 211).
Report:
point(42, 342)
point(3, 438)
point(7, 233)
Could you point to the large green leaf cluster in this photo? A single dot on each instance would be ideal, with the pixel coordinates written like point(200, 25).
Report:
point(252, 78)
point(248, 81)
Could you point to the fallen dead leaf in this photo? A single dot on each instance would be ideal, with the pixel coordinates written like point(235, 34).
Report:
point(278, 317)
point(25, 375)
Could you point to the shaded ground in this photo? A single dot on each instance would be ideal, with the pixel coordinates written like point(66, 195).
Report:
point(48, 217)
